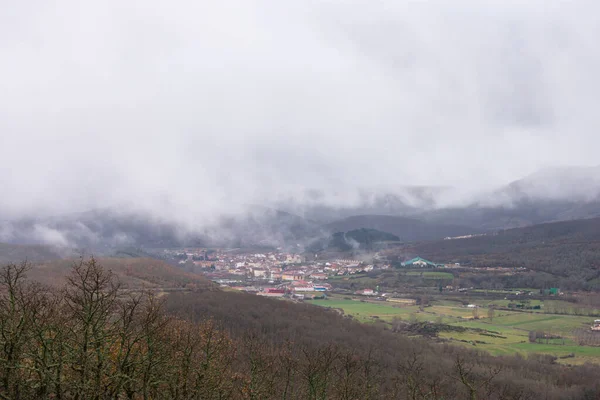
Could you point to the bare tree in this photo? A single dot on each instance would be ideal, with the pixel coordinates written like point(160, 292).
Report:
point(15, 316)
point(90, 299)
point(491, 312)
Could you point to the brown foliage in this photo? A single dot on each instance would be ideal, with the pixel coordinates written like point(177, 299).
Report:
point(90, 340)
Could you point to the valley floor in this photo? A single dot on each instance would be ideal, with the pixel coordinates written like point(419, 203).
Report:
point(503, 333)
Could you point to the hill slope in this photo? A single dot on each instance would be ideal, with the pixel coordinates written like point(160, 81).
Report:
point(397, 365)
point(18, 252)
point(106, 229)
point(133, 273)
point(355, 240)
point(406, 229)
point(567, 252)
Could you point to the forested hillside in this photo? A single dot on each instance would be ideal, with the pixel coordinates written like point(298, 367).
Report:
point(566, 254)
point(132, 273)
point(89, 340)
point(405, 228)
point(18, 252)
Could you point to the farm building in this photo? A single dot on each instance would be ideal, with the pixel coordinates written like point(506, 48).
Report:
point(420, 262)
point(596, 326)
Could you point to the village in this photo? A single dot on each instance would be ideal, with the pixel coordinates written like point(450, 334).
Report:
point(296, 276)
point(416, 290)
point(272, 274)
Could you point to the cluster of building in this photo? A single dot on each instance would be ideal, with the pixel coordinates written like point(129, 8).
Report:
point(272, 266)
point(297, 289)
point(232, 261)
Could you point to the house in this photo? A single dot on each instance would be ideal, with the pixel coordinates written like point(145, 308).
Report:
point(260, 273)
point(276, 276)
point(596, 326)
point(471, 306)
point(292, 276)
point(419, 262)
point(319, 276)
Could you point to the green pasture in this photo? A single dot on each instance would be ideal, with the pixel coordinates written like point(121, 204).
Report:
point(516, 342)
point(365, 310)
point(561, 324)
point(504, 334)
point(431, 274)
point(565, 307)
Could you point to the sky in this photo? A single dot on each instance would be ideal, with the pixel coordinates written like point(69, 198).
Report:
point(198, 105)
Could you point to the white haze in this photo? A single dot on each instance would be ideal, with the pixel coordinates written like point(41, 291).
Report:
point(197, 107)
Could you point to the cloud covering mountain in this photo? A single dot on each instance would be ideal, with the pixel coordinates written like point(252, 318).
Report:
point(188, 110)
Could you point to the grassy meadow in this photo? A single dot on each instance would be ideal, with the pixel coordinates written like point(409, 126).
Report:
point(504, 332)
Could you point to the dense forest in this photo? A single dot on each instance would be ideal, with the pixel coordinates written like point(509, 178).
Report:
point(406, 229)
point(91, 340)
point(563, 254)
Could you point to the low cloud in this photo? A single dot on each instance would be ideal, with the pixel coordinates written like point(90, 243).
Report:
point(50, 236)
point(191, 110)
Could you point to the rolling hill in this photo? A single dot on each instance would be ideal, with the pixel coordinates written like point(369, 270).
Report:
point(406, 229)
point(413, 214)
point(33, 253)
point(355, 240)
point(133, 273)
point(565, 254)
point(103, 230)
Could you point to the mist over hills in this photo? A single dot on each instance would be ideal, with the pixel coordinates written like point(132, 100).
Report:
point(357, 240)
point(407, 229)
point(551, 194)
point(106, 229)
point(569, 184)
point(412, 214)
point(12, 253)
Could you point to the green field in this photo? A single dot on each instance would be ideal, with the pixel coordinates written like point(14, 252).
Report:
point(431, 274)
point(365, 311)
point(507, 332)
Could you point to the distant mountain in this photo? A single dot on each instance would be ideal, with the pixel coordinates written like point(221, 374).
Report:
point(261, 226)
point(324, 207)
point(15, 253)
point(549, 195)
point(354, 240)
point(570, 184)
point(565, 253)
point(412, 213)
point(95, 229)
point(524, 213)
point(106, 229)
point(405, 228)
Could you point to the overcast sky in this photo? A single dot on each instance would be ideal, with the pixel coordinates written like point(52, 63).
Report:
point(197, 103)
